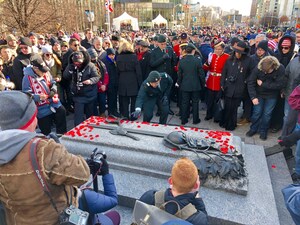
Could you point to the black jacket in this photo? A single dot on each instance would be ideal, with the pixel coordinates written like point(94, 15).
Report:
point(163, 65)
point(190, 74)
point(85, 43)
point(19, 63)
point(271, 83)
point(284, 59)
point(234, 76)
point(145, 64)
point(82, 93)
point(147, 92)
point(111, 67)
point(198, 218)
point(129, 73)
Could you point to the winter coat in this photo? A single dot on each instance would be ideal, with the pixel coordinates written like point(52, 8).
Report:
point(104, 78)
point(198, 218)
point(19, 63)
point(112, 72)
point(97, 202)
point(163, 65)
point(20, 191)
point(234, 76)
point(85, 43)
point(82, 93)
point(36, 85)
point(284, 59)
point(292, 71)
point(145, 64)
point(129, 73)
point(272, 83)
point(190, 73)
point(294, 101)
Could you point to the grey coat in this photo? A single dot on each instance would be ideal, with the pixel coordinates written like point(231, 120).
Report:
point(292, 71)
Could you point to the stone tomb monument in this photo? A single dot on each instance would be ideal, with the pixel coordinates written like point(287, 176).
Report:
point(140, 162)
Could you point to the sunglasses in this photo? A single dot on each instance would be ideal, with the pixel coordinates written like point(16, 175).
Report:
point(28, 104)
point(285, 48)
point(48, 55)
point(65, 46)
point(76, 45)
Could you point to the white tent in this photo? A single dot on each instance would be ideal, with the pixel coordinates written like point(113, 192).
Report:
point(125, 20)
point(160, 22)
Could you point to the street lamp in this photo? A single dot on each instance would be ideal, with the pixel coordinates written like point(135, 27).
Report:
point(175, 15)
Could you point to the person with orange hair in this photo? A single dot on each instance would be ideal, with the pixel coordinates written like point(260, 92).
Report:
point(184, 186)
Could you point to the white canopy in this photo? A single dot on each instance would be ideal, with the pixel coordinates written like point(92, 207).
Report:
point(159, 20)
point(125, 20)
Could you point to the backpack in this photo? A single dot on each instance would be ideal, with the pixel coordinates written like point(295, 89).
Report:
point(144, 214)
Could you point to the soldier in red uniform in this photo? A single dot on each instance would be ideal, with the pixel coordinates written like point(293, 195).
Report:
point(214, 66)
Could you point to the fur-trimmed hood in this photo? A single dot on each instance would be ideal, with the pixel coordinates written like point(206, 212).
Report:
point(271, 60)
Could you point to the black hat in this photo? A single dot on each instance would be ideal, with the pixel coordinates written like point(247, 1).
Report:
point(37, 61)
point(78, 57)
point(32, 34)
point(53, 41)
point(115, 38)
point(240, 47)
point(110, 51)
point(153, 76)
point(234, 40)
point(161, 39)
point(143, 43)
point(25, 41)
point(263, 45)
point(173, 34)
point(183, 36)
point(155, 38)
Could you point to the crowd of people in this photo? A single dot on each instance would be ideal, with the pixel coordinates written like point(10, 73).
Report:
point(129, 74)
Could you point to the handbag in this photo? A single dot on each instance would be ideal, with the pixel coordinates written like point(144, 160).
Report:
point(291, 195)
point(144, 214)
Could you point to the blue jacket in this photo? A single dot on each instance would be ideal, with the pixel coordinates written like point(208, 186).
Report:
point(43, 110)
point(198, 218)
point(205, 49)
point(97, 202)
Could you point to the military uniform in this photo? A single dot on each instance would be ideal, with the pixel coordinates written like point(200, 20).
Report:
point(190, 79)
point(148, 96)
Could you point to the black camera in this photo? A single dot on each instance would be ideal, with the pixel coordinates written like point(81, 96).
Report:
point(73, 216)
point(94, 161)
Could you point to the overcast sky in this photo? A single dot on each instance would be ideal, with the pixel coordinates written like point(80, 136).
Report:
point(244, 6)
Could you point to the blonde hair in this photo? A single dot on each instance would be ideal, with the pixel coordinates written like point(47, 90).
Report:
point(125, 46)
point(184, 175)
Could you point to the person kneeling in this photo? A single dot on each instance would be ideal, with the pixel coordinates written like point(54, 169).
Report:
point(184, 184)
point(155, 89)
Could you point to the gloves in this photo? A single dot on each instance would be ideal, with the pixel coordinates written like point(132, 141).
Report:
point(136, 114)
point(166, 56)
point(103, 168)
point(164, 100)
point(290, 140)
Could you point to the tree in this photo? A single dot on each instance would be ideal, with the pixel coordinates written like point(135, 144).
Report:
point(29, 15)
point(269, 20)
point(284, 19)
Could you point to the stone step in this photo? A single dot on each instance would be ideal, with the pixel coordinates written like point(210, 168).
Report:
point(280, 178)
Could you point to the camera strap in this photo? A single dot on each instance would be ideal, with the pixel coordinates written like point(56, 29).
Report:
point(37, 171)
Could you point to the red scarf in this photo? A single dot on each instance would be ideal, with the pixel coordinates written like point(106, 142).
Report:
point(140, 55)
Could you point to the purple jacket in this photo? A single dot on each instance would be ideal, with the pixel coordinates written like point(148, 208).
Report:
point(294, 100)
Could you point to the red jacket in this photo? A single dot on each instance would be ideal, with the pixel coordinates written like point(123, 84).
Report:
point(214, 68)
point(103, 81)
point(294, 100)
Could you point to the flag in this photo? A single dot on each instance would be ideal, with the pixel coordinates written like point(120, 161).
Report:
point(108, 6)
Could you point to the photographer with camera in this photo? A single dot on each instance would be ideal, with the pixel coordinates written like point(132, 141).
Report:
point(84, 76)
point(21, 192)
point(96, 203)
